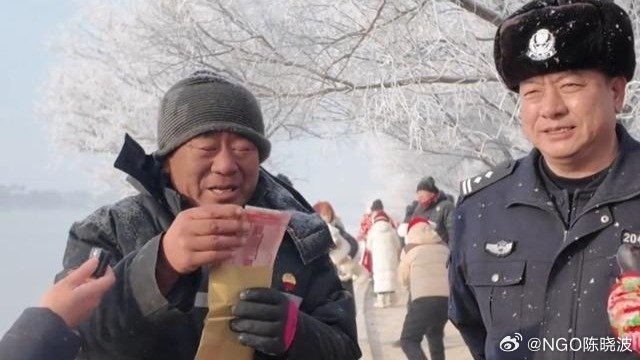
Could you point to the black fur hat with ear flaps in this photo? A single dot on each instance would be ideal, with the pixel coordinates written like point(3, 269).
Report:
point(547, 36)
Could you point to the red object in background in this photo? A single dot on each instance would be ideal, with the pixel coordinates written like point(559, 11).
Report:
point(365, 225)
point(367, 261)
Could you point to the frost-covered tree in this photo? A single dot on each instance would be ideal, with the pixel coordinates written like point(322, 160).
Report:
point(418, 72)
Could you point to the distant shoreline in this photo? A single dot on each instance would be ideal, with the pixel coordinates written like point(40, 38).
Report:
point(17, 198)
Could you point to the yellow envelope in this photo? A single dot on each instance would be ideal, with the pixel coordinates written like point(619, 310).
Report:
point(225, 284)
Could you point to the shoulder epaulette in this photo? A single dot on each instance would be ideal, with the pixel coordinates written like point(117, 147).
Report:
point(479, 182)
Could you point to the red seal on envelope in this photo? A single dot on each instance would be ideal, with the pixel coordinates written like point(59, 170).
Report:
point(288, 282)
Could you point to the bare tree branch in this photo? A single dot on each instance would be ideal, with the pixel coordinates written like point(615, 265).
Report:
point(482, 12)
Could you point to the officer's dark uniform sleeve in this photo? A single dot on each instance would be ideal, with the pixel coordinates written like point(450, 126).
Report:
point(39, 334)
point(327, 322)
point(463, 308)
point(128, 317)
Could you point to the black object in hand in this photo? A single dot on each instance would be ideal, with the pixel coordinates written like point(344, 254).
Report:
point(103, 257)
point(628, 257)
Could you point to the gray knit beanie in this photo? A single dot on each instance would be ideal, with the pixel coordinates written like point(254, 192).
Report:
point(427, 184)
point(205, 102)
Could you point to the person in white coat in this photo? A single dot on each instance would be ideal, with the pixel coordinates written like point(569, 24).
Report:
point(384, 244)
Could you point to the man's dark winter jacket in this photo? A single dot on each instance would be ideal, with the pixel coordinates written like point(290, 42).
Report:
point(39, 334)
point(517, 267)
point(440, 213)
point(135, 321)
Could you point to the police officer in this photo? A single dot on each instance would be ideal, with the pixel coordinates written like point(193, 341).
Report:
point(533, 253)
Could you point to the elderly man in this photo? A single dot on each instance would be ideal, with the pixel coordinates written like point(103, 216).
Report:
point(533, 253)
point(188, 217)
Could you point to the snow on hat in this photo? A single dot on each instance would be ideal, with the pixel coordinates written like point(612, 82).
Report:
point(203, 102)
point(547, 36)
point(427, 184)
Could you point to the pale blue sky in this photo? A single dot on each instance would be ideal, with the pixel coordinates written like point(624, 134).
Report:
point(25, 154)
point(29, 255)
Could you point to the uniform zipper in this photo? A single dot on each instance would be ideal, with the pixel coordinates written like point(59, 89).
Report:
point(578, 282)
point(576, 303)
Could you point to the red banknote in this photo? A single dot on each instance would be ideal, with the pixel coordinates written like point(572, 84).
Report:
point(267, 228)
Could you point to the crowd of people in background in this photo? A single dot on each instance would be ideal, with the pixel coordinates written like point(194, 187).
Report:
point(412, 254)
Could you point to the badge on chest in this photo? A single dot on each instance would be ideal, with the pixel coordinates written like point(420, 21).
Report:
point(631, 237)
point(500, 248)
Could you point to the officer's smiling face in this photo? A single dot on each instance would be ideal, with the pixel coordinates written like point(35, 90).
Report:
point(570, 116)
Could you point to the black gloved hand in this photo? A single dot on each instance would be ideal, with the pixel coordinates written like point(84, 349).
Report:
point(266, 320)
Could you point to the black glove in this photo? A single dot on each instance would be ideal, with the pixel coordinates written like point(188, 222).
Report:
point(266, 320)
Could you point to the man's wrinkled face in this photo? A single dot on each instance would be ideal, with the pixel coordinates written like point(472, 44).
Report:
point(215, 168)
point(424, 197)
point(571, 115)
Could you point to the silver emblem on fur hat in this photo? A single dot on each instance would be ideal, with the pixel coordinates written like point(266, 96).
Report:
point(542, 45)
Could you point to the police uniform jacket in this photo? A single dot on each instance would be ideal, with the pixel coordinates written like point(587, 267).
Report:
point(519, 270)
